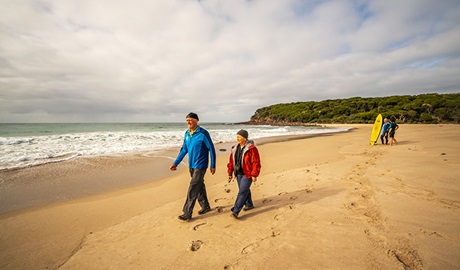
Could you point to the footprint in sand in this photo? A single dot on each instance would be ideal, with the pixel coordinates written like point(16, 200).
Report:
point(228, 267)
point(220, 209)
point(266, 200)
point(195, 245)
point(249, 249)
point(278, 217)
point(432, 233)
point(408, 258)
point(350, 206)
point(275, 232)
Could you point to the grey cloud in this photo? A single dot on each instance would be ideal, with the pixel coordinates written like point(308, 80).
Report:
point(156, 60)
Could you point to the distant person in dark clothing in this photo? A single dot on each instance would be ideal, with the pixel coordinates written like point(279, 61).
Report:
point(392, 130)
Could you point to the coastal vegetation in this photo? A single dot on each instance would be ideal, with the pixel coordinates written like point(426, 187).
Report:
point(424, 108)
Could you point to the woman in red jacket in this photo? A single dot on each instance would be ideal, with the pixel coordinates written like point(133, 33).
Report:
point(244, 163)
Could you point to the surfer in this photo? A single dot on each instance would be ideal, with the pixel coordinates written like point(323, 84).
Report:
point(198, 145)
point(392, 131)
point(384, 134)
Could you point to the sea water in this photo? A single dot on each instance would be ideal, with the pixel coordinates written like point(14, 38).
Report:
point(24, 145)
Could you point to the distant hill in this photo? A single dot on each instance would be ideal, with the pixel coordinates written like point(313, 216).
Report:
point(425, 108)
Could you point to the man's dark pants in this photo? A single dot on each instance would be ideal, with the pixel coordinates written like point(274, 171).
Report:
point(385, 135)
point(196, 191)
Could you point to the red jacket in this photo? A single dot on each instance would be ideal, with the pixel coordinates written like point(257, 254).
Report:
point(251, 160)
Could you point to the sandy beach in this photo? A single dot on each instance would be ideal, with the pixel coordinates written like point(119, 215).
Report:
point(326, 202)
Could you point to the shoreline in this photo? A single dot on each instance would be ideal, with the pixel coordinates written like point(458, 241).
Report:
point(327, 202)
point(81, 177)
point(60, 144)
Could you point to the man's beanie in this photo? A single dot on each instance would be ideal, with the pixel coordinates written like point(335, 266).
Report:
point(192, 115)
point(243, 133)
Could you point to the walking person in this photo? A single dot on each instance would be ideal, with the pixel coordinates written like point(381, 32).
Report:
point(392, 130)
point(384, 133)
point(244, 163)
point(199, 147)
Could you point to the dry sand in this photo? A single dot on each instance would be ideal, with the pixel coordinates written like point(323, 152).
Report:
point(328, 202)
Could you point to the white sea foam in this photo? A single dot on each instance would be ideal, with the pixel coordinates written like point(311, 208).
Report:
point(18, 152)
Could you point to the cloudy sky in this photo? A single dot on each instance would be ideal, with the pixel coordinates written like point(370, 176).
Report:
point(155, 61)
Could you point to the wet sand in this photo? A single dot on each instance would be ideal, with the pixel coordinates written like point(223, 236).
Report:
point(78, 178)
point(327, 202)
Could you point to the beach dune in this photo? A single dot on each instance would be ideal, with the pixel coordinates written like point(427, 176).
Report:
point(326, 202)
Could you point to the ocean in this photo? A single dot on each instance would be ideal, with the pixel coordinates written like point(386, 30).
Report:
point(24, 145)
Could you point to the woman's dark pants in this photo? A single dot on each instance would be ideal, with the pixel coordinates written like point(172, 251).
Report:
point(244, 193)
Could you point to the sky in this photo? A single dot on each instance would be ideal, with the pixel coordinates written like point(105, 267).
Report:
point(156, 61)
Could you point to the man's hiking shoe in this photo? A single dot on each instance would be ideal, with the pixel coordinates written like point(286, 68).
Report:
point(246, 208)
point(185, 217)
point(234, 215)
point(204, 210)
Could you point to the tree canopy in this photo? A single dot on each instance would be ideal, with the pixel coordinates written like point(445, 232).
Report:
point(424, 108)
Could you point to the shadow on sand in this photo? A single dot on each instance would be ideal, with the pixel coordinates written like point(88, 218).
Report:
point(283, 199)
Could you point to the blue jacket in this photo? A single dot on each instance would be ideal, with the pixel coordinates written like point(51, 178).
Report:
point(199, 147)
point(385, 127)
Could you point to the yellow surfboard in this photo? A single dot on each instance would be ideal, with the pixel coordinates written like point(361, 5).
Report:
point(376, 129)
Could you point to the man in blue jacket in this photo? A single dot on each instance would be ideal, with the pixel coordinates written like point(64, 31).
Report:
point(385, 129)
point(198, 145)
